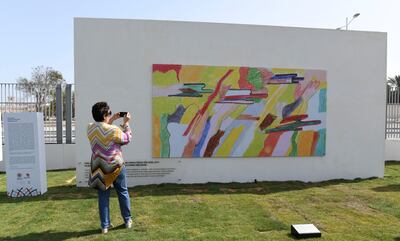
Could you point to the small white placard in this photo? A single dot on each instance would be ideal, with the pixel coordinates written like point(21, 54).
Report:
point(24, 154)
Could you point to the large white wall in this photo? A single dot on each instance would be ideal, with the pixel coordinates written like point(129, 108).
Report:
point(113, 62)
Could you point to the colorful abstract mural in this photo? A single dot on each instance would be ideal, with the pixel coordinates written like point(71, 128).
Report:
point(224, 111)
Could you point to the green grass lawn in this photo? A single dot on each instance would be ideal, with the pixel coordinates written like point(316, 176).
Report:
point(342, 210)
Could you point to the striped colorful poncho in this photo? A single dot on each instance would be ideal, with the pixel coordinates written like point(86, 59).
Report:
point(106, 161)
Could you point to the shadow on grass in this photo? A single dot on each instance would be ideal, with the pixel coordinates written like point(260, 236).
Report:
point(53, 236)
point(388, 188)
point(70, 192)
point(258, 188)
point(289, 235)
point(67, 192)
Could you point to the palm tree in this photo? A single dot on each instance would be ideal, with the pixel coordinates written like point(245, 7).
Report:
point(393, 85)
point(394, 81)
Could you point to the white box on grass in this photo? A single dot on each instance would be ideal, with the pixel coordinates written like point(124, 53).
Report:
point(305, 231)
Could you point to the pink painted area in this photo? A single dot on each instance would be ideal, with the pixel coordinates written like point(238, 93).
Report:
point(266, 74)
point(283, 145)
point(307, 89)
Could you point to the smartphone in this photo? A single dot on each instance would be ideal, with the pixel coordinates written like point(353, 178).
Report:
point(122, 114)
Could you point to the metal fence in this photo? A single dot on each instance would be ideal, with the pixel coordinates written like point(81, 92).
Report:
point(393, 112)
point(57, 105)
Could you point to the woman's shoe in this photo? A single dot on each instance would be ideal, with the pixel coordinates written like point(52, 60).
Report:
point(128, 224)
point(105, 230)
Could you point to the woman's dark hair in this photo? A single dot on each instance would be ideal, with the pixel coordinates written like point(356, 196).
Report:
point(99, 110)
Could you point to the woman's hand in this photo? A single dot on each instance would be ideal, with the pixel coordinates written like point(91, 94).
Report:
point(127, 118)
point(113, 118)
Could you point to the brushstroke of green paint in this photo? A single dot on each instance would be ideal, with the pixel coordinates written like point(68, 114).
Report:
point(292, 126)
point(322, 100)
point(294, 144)
point(164, 135)
point(254, 77)
point(320, 150)
point(201, 87)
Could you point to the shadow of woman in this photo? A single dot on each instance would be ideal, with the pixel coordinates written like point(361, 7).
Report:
point(50, 235)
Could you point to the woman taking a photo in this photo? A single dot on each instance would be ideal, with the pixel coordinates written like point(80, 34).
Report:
point(107, 163)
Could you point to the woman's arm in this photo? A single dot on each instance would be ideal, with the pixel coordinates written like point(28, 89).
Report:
point(125, 136)
point(113, 118)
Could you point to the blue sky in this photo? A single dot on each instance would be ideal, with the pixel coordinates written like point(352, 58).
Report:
point(40, 32)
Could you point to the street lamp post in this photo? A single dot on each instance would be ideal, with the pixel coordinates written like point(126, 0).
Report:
point(348, 22)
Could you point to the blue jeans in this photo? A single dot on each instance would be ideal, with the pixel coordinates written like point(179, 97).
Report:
point(123, 198)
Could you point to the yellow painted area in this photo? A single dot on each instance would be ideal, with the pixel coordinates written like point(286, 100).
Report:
point(156, 136)
point(210, 75)
point(197, 101)
point(160, 105)
point(288, 95)
point(304, 144)
point(164, 79)
point(323, 84)
point(301, 109)
point(192, 73)
point(299, 72)
point(290, 149)
point(232, 79)
point(189, 114)
point(226, 147)
point(237, 111)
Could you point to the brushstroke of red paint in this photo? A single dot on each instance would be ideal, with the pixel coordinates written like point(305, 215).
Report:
point(314, 143)
point(267, 121)
point(164, 68)
point(270, 143)
point(247, 117)
point(208, 102)
point(293, 118)
point(243, 83)
point(213, 143)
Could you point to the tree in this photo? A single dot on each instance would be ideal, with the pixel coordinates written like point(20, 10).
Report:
point(394, 81)
point(64, 104)
point(392, 89)
point(42, 85)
